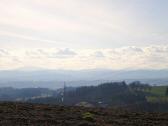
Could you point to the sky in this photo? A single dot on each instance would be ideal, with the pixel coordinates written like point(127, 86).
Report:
point(84, 34)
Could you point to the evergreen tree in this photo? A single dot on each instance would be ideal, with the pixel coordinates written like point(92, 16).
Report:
point(167, 91)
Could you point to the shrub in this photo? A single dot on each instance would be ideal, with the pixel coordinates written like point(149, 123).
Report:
point(88, 116)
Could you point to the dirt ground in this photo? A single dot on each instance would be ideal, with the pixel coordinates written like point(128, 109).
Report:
point(23, 114)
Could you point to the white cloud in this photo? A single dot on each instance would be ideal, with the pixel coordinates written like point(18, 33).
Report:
point(4, 52)
point(150, 57)
point(51, 53)
point(66, 52)
point(75, 34)
point(72, 23)
point(98, 54)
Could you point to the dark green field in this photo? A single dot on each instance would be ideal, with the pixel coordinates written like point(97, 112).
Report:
point(159, 90)
point(158, 94)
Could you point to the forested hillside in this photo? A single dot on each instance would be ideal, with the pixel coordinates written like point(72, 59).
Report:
point(114, 94)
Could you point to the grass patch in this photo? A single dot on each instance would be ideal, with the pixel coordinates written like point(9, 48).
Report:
point(88, 116)
point(160, 99)
point(158, 90)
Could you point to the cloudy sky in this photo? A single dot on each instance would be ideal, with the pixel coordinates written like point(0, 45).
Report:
point(84, 34)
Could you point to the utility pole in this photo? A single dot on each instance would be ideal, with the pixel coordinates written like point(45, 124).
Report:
point(63, 93)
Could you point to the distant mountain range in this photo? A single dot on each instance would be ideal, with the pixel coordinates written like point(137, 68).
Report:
point(70, 75)
point(82, 77)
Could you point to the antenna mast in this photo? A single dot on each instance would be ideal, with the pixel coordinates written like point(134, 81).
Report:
point(63, 93)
